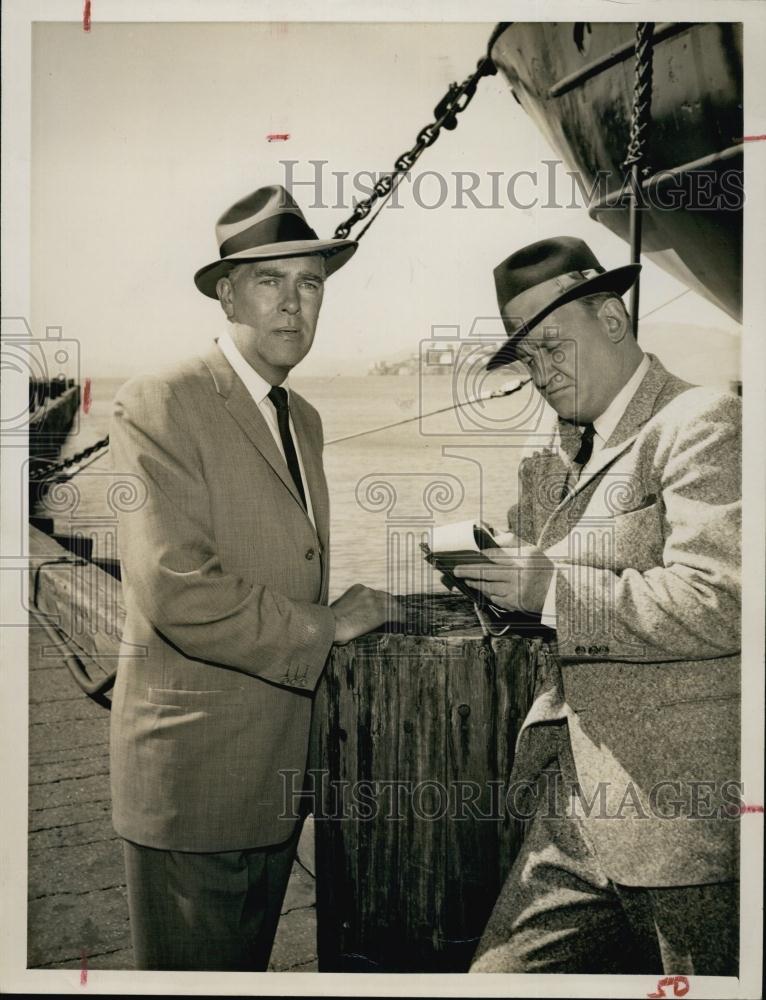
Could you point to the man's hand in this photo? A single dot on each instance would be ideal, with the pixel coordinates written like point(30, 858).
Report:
point(519, 578)
point(360, 610)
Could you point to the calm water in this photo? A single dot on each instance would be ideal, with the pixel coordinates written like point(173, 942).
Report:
point(386, 488)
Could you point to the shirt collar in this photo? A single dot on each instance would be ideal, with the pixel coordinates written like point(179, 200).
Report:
point(605, 424)
point(257, 386)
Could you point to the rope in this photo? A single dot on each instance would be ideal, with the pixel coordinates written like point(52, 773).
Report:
point(432, 413)
point(657, 308)
point(640, 118)
point(69, 560)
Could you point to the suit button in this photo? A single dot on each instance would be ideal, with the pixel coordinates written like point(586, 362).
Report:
point(310, 553)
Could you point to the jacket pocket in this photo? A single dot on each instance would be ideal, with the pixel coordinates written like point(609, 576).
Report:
point(649, 505)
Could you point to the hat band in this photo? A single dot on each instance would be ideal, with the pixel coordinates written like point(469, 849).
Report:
point(276, 229)
point(546, 291)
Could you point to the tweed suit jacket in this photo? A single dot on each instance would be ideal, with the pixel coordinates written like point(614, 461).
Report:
point(647, 555)
point(227, 627)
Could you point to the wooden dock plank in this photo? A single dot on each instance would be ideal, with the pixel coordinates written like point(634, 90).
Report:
point(61, 927)
point(64, 817)
point(70, 735)
point(92, 750)
point(70, 710)
point(41, 774)
point(52, 685)
point(88, 832)
point(120, 958)
point(69, 791)
point(71, 869)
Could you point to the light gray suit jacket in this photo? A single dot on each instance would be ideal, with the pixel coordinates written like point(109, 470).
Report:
point(647, 551)
point(227, 630)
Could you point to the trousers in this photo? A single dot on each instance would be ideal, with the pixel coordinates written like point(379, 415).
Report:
point(559, 912)
point(206, 912)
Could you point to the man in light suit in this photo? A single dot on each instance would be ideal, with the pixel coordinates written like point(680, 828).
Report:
point(626, 540)
point(225, 565)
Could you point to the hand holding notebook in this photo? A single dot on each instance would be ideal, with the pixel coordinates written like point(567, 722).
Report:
point(471, 558)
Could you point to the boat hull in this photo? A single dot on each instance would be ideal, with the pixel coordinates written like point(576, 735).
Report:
point(576, 81)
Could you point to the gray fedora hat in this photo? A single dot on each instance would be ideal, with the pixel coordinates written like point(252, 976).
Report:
point(266, 225)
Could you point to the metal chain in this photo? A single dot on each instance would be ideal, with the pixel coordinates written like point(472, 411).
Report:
point(54, 471)
point(457, 99)
point(640, 118)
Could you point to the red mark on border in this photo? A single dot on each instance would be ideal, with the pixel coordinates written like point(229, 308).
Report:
point(750, 809)
point(86, 16)
point(751, 138)
point(83, 968)
point(86, 400)
point(680, 986)
point(278, 136)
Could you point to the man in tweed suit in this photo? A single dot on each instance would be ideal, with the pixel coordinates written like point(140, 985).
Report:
point(625, 539)
point(225, 566)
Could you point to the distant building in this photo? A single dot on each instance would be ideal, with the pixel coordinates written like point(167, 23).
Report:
point(433, 362)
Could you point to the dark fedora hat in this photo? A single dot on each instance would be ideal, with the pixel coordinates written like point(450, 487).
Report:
point(539, 278)
point(266, 225)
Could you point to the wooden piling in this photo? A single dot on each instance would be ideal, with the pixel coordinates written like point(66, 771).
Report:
point(411, 750)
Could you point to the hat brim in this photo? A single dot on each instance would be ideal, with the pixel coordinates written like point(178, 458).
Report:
point(336, 253)
point(618, 280)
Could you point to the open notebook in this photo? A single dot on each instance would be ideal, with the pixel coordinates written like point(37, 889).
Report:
point(470, 542)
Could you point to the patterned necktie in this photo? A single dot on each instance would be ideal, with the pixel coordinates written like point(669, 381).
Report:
point(278, 397)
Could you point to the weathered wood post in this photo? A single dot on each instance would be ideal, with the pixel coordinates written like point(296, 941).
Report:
point(411, 751)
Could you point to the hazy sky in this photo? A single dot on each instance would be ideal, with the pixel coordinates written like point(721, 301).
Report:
point(142, 135)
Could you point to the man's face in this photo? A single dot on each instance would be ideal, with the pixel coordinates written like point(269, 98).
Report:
point(274, 305)
point(572, 362)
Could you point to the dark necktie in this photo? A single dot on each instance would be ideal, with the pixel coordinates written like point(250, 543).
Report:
point(586, 447)
point(278, 397)
point(581, 459)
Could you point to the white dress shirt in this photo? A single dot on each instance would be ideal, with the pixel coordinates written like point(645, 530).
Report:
point(604, 426)
point(259, 391)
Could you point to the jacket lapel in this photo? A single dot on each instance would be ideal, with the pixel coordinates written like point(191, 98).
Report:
point(645, 402)
point(311, 454)
point(650, 397)
point(240, 405)
point(603, 459)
